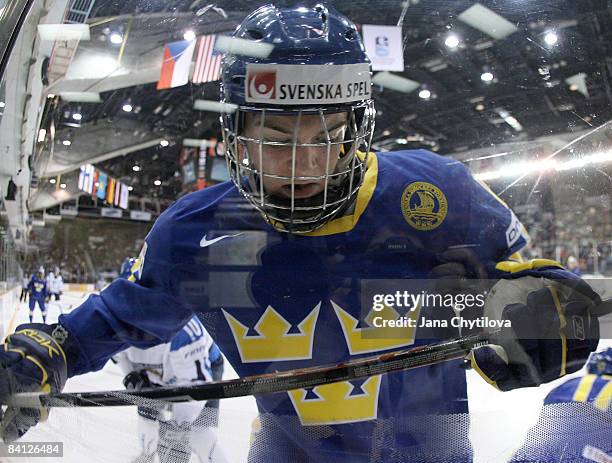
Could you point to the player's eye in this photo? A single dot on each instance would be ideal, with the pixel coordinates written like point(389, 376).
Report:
point(335, 136)
point(277, 137)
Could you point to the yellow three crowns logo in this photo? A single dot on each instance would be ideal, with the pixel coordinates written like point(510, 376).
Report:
point(274, 341)
point(335, 405)
point(373, 339)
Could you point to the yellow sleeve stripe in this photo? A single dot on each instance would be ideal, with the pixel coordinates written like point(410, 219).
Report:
point(515, 267)
point(562, 324)
point(490, 191)
point(582, 392)
point(517, 257)
point(604, 398)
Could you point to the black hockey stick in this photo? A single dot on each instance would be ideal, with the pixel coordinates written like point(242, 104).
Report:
point(277, 382)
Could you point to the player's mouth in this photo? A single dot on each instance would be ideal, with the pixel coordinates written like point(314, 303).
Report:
point(302, 190)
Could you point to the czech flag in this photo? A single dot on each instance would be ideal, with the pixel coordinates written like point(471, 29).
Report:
point(176, 64)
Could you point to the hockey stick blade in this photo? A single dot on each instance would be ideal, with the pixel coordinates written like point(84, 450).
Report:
point(279, 381)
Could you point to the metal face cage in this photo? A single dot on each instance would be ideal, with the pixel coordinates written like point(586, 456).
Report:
point(342, 153)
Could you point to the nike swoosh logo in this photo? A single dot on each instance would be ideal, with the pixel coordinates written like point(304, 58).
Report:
point(204, 242)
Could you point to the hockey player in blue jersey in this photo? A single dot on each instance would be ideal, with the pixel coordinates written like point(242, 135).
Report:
point(38, 294)
point(282, 261)
point(126, 267)
point(576, 421)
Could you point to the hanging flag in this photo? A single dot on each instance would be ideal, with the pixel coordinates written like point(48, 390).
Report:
point(176, 63)
point(116, 197)
point(86, 178)
point(110, 190)
point(102, 182)
point(94, 188)
point(208, 61)
point(123, 201)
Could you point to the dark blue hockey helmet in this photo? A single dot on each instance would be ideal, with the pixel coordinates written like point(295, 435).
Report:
point(600, 363)
point(307, 63)
point(298, 36)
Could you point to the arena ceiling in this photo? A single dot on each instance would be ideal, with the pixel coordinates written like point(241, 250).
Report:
point(536, 88)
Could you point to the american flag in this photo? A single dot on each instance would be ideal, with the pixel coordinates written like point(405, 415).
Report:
point(208, 63)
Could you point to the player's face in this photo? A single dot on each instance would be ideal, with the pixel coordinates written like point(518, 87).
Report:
point(310, 161)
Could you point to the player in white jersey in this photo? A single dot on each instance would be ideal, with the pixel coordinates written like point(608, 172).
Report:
point(57, 286)
point(179, 429)
point(50, 278)
point(25, 281)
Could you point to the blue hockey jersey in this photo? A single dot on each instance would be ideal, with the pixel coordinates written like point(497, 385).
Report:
point(38, 288)
point(575, 423)
point(274, 301)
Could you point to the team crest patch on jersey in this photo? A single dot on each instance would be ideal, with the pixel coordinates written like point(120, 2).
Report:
point(424, 206)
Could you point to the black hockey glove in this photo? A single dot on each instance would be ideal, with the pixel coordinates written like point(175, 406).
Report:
point(31, 360)
point(552, 332)
point(136, 380)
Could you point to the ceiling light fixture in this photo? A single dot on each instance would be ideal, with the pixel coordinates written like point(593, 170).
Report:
point(487, 77)
point(136, 168)
point(452, 41)
point(425, 94)
point(551, 38)
point(127, 107)
point(189, 35)
point(116, 38)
